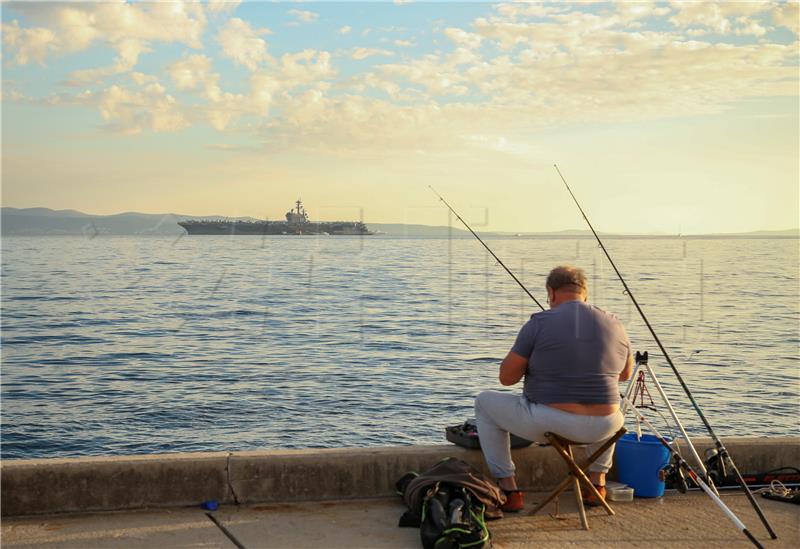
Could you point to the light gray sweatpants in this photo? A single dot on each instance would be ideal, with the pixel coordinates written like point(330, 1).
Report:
point(499, 414)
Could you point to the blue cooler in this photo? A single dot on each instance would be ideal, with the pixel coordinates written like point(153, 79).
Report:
point(638, 463)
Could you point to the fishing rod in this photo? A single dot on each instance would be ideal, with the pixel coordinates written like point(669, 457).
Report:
point(682, 464)
point(488, 249)
point(721, 450)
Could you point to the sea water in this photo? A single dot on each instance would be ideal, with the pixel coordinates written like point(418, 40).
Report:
point(132, 345)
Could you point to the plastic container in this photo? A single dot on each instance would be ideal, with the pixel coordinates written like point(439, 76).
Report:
point(621, 494)
point(638, 463)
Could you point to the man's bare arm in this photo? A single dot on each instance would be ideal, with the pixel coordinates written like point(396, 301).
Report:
point(512, 369)
point(626, 374)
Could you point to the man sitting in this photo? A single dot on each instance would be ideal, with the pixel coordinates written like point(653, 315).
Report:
point(572, 357)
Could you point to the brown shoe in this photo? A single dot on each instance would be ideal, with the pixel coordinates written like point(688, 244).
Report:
point(589, 499)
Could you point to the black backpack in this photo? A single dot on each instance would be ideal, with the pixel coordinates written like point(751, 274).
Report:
point(448, 503)
point(452, 519)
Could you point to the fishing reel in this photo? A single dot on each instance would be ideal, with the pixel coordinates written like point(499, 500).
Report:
point(715, 465)
point(672, 474)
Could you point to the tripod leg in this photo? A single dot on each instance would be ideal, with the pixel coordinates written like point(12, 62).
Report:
point(677, 421)
point(629, 389)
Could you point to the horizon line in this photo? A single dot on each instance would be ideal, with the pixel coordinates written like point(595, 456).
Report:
point(495, 232)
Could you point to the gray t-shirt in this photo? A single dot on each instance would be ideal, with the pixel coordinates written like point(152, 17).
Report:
point(575, 353)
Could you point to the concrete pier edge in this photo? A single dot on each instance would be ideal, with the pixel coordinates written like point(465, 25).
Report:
point(49, 486)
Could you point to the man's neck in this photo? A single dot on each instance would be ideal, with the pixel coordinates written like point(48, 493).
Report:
point(566, 298)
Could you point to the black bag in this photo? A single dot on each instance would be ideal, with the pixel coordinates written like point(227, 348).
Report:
point(449, 505)
point(451, 519)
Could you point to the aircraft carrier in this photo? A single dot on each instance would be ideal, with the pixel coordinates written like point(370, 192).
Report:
point(297, 223)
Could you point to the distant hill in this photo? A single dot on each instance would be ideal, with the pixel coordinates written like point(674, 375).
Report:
point(44, 221)
point(43, 212)
point(399, 229)
point(786, 233)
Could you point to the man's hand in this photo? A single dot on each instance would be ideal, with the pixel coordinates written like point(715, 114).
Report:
point(512, 369)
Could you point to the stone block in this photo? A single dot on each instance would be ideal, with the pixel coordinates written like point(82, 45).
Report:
point(110, 483)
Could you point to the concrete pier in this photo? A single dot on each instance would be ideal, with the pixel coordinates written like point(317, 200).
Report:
point(49, 486)
point(674, 521)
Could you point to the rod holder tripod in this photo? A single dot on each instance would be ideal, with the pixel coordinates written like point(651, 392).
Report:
point(637, 387)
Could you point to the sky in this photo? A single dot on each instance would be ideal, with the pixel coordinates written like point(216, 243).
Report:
point(676, 117)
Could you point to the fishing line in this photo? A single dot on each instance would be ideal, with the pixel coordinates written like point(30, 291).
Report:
point(723, 452)
point(488, 249)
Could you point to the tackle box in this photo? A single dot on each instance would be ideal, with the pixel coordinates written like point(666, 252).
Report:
point(466, 435)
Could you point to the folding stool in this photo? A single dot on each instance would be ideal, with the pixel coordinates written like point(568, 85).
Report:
point(576, 473)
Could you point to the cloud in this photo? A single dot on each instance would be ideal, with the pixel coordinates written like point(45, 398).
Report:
point(439, 77)
point(194, 73)
point(518, 10)
point(719, 18)
point(242, 44)
point(362, 53)
point(142, 79)
point(129, 52)
point(305, 67)
point(304, 16)
point(130, 29)
point(631, 13)
point(149, 108)
point(221, 6)
point(463, 38)
point(190, 73)
point(787, 14)
point(28, 44)
point(223, 109)
point(314, 120)
point(518, 68)
point(404, 43)
point(749, 27)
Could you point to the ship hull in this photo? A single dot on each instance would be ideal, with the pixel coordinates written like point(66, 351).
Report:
point(265, 228)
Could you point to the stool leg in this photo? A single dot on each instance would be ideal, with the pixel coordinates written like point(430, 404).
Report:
point(578, 497)
point(577, 475)
point(591, 487)
point(577, 472)
point(554, 493)
point(584, 463)
point(594, 456)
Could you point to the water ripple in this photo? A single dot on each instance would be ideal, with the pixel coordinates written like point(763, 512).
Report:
point(124, 345)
